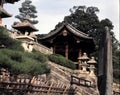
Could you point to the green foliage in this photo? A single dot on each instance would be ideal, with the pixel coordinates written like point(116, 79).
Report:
point(116, 60)
point(27, 9)
point(18, 62)
point(38, 56)
point(8, 42)
point(86, 20)
point(62, 61)
point(83, 18)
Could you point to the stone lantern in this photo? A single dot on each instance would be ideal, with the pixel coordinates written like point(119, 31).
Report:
point(92, 63)
point(83, 62)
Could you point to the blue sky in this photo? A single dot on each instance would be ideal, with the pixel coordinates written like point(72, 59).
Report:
point(50, 12)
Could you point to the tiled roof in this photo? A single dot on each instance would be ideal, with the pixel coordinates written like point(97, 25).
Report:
point(4, 13)
point(71, 29)
point(25, 26)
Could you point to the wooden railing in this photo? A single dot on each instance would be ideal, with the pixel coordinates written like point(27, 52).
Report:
point(80, 82)
point(38, 86)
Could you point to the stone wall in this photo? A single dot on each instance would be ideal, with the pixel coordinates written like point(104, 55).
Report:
point(42, 48)
point(62, 74)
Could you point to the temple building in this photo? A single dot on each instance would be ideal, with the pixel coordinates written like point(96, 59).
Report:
point(68, 41)
point(26, 34)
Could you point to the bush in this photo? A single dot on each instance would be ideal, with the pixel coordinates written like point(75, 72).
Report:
point(8, 42)
point(38, 56)
point(4, 61)
point(62, 61)
point(18, 62)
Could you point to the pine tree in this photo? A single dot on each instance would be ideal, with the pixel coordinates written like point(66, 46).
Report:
point(27, 9)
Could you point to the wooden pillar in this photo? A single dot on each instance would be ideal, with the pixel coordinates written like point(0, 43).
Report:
point(66, 51)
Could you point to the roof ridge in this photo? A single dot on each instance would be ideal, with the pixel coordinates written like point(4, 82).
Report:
point(77, 30)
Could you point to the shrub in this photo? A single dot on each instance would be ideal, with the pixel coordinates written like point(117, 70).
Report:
point(62, 61)
point(8, 42)
point(4, 61)
point(38, 56)
point(18, 62)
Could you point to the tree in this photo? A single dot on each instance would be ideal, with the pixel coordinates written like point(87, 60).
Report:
point(116, 60)
point(27, 10)
point(83, 18)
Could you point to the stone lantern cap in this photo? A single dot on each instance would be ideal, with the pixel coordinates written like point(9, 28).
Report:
point(92, 61)
point(84, 57)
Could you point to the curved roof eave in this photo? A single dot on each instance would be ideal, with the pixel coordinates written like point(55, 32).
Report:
point(71, 29)
point(77, 32)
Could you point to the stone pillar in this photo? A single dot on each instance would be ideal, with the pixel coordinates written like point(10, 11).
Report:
point(84, 67)
point(92, 62)
point(30, 47)
point(83, 62)
point(25, 46)
point(66, 51)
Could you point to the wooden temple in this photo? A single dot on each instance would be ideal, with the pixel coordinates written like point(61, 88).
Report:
point(69, 42)
point(26, 35)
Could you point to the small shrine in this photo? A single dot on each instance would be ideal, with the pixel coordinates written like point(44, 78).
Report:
point(26, 35)
point(69, 42)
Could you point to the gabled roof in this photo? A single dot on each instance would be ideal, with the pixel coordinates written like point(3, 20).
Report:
point(4, 13)
point(71, 29)
point(25, 26)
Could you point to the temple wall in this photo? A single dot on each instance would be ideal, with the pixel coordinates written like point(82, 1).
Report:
point(42, 48)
